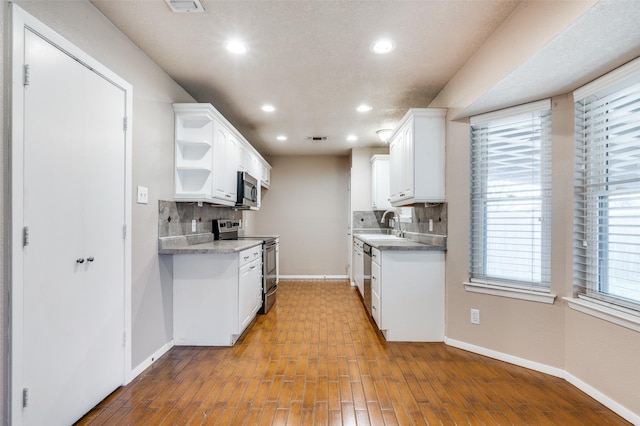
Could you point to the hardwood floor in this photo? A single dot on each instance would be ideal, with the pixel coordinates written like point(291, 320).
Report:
point(317, 359)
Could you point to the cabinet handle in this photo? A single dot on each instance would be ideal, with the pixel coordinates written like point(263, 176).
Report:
point(81, 260)
point(90, 259)
point(246, 257)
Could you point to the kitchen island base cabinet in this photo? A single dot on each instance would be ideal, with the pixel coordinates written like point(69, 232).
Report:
point(215, 296)
point(408, 295)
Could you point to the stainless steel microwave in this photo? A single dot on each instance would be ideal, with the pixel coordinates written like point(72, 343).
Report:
point(248, 187)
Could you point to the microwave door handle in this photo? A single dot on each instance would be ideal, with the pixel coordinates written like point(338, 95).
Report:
point(254, 193)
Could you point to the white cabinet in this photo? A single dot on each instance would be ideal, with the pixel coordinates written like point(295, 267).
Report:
point(265, 176)
point(417, 157)
point(358, 266)
point(193, 155)
point(225, 165)
point(380, 182)
point(209, 152)
point(215, 296)
point(249, 286)
point(407, 294)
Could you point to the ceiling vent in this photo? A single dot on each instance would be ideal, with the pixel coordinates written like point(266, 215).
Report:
point(317, 138)
point(185, 5)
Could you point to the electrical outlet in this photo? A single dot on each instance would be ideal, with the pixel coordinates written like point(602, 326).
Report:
point(475, 316)
point(193, 225)
point(430, 225)
point(143, 195)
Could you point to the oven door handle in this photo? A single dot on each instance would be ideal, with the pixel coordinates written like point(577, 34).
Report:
point(273, 291)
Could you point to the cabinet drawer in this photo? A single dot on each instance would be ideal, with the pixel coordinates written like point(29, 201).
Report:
point(249, 255)
point(375, 255)
point(376, 275)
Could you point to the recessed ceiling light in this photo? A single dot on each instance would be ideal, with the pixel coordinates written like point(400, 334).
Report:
point(382, 46)
point(281, 138)
point(268, 108)
point(236, 46)
point(364, 108)
point(352, 138)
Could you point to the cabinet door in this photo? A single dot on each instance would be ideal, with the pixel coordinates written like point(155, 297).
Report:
point(219, 161)
point(380, 193)
point(408, 163)
point(395, 166)
point(225, 164)
point(232, 155)
point(246, 297)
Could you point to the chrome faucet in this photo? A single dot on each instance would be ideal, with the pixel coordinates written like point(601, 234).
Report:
point(386, 213)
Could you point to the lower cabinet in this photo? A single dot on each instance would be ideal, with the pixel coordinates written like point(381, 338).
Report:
point(407, 294)
point(215, 296)
point(357, 266)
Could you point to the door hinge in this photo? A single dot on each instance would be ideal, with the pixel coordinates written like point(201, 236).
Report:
point(25, 236)
point(25, 397)
point(124, 231)
point(26, 75)
point(125, 124)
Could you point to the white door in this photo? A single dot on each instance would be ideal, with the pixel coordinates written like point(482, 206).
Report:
point(74, 177)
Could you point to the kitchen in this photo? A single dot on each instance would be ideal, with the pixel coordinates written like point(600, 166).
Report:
point(323, 202)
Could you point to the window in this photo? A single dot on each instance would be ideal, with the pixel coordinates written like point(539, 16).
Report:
point(510, 197)
point(607, 188)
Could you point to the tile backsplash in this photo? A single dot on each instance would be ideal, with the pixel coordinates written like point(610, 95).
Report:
point(174, 219)
point(419, 222)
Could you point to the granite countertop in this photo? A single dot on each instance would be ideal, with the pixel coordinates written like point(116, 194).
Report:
point(203, 244)
point(410, 242)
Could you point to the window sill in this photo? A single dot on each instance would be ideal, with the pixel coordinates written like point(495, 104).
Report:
point(600, 310)
point(510, 292)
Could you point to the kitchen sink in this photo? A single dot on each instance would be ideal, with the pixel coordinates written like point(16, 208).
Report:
point(378, 236)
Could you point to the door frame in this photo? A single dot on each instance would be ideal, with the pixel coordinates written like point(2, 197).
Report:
point(21, 20)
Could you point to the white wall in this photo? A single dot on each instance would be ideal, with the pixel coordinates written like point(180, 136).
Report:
point(307, 206)
point(152, 126)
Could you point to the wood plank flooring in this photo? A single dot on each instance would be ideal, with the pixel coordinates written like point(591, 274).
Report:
point(316, 359)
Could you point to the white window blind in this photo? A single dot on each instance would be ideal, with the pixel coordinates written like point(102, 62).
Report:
point(607, 188)
point(510, 196)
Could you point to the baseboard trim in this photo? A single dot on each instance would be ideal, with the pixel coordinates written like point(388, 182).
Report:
point(150, 360)
point(314, 277)
point(554, 371)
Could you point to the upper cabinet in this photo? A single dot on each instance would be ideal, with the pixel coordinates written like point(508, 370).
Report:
point(416, 156)
point(209, 152)
point(380, 182)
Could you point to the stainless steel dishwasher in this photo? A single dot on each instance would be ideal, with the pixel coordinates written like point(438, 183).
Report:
point(366, 250)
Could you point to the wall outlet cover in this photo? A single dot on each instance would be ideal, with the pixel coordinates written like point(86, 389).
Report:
point(475, 316)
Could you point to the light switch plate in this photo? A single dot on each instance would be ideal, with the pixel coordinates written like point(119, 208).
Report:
point(143, 195)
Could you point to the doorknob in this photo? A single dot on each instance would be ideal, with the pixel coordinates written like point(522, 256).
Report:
point(81, 260)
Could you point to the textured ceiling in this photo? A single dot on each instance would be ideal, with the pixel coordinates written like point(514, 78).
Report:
point(311, 60)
